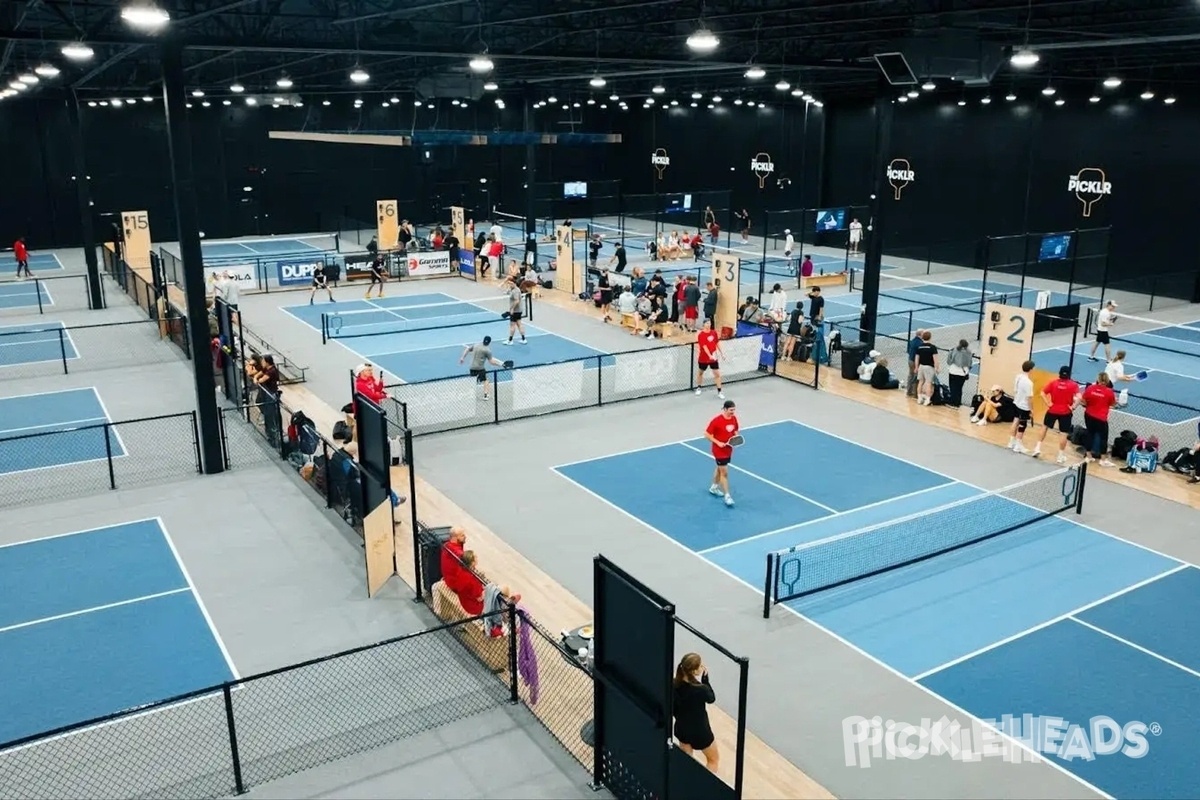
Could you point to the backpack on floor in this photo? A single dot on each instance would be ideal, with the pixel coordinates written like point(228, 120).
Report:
point(1079, 436)
point(1141, 459)
point(940, 395)
point(1180, 460)
point(1123, 444)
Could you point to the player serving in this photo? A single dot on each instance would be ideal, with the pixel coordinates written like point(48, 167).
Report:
point(722, 432)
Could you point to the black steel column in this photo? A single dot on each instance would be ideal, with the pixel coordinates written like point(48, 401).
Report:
point(530, 172)
point(880, 197)
point(180, 142)
point(83, 191)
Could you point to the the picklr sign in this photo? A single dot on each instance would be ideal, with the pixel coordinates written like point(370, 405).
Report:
point(660, 161)
point(762, 166)
point(1090, 186)
point(900, 174)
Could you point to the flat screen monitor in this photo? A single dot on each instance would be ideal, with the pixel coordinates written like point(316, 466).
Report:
point(1055, 247)
point(575, 189)
point(678, 202)
point(830, 219)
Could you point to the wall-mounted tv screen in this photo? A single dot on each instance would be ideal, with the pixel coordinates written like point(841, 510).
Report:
point(678, 202)
point(575, 189)
point(830, 219)
point(1055, 247)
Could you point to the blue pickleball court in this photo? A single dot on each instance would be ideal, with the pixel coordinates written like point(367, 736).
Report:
point(23, 295)
point(52, 429)
point(96, 622)
point(35, 344)
point(1054, 620)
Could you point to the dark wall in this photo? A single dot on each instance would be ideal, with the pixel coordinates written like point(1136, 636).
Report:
point(998, 169)
point(295, 186)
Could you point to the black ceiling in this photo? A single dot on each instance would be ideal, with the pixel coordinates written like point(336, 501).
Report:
point(824, 46)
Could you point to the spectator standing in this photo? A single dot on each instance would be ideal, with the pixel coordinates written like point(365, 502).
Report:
point(692, 695)
point(926, 365)
point(958, 367)
point(1098, 399)
point(1023, 400)
point(913, 344)
point(710, 304)
point(691, 303)
point(1061, 396)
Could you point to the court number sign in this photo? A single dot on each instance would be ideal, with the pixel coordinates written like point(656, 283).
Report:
point(1018, 333)
point(136, 222)
point(386, 210)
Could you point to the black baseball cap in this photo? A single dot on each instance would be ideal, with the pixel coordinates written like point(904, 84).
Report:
point(1064, 372)
point(729, 404)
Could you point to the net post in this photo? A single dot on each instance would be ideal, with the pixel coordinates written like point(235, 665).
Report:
point(62, 348)
point(108, 456)
point(238, 782)
point(739, 759)
point(37, 289)
point(692, 365)
point(514, 694)
point(324, 328)
point(1079, 489)
point(767, 585)
point(496, 397)
point(985, 250)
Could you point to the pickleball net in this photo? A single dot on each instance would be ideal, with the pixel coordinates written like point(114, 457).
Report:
point(336, 325)
point(838, 560)
point(514, 226)
point(1131, 333)
point(929, 294)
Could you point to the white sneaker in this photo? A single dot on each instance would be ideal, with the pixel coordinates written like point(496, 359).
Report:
point(523, 341)
point(1037, 453)
point(720, 394)
point(1062, 458)
point(1019, 449)
point(715, 490)
point(1104, 462)
point(697, 392)
point(729, 501)
point(507, 343)
point(1012, 444)
point(981, 422)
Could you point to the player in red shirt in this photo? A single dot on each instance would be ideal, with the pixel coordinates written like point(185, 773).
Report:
point(22, 254)
point(1062, 396)
point(1098, 399)
point(708, 349)
point(720, 430)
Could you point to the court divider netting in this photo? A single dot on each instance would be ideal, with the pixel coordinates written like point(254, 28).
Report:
point(1171, 337)
point(834, 561)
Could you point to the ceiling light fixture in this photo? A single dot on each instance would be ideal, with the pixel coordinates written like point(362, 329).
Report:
point(131, 101)
point(77, 51)
point(1094, 99)
point(797, 93)
point(696, 95)
point(929, 86)
point(716, 98)
point(703, 41)
point(491, 86)
point(481, 63)
point(1148, 94)
point(147, 99)
point(551, 99)
point(597, 82)
point(1169, 101)
point(1060, 102)
point(962, 102)
point(659, 89)
point(251, 101)
point(756, 72)
point(226, 102)
point(91, 103)
point(326, 103)
point(1049, 91)
point(284, 82)
point(206, 104)
point(197, 93)
point(913, 94)
point(116, 102)
point(360, 75)
point(47, 70)
point(614, 97)
point(29, 78)
point(236, 88)
point(1024, 59)
point(985, 100)
point(145, 15)
point(1112, 82)
point(20, 87)
point(104, 103)
point(737, 101)
point(903, 98)
point(783, 85)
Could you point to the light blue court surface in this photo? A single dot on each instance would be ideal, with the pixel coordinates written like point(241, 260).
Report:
point(96, 622)
point(1052, 620)
point(35, 344)
point(38, 262)
point(247, 250)
point(52, 429)
point(1170, 354)
point(23, 295)
point(404, 341)
point(930, 302)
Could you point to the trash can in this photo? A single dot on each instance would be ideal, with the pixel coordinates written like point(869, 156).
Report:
point(852, 358)
point(431, 541)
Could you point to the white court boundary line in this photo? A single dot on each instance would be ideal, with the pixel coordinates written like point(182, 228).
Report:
point(69, 425)
point(1043, 625)
point(1138, 647)
point(113, 427)
point(851, 646)
point(770, 483)
point(105, 607)
point(1082, 347)
point(80, 532)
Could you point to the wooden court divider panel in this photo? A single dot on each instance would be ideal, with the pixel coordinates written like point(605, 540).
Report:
point(1006, 343)
point(379, 544)
point(566, 273)
point(387, 225)
point(135, 226)
point(458, 226)
point(727, 275)
point(1040, 378)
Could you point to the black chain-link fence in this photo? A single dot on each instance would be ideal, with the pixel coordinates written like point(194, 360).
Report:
point(448, 404)
point(171, 316)
point(36, 350)
point(225, 739)
point(41, 295)
point(89, 459)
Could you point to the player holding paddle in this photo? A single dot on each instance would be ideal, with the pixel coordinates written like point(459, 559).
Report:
point(722, 432)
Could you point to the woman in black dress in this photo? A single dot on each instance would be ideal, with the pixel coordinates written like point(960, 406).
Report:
point(693, 694)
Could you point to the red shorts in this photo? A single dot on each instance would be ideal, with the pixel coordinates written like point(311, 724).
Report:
point(691, 312)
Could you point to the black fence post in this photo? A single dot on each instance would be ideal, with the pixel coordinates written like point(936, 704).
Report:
point(739, 761)
point(238, 783)
point(767, 584)
point(224, 437)
point(37, 289)
point(62, 348)
point(108, 456)
point(514, 692)
point(496, 397)
point(1080, 487)
point(600, 380)
point(196, 440)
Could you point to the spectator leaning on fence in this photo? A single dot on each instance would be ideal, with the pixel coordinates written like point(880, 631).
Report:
point(368, 385)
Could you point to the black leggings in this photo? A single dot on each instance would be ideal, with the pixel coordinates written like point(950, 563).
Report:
point(1097, 430)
